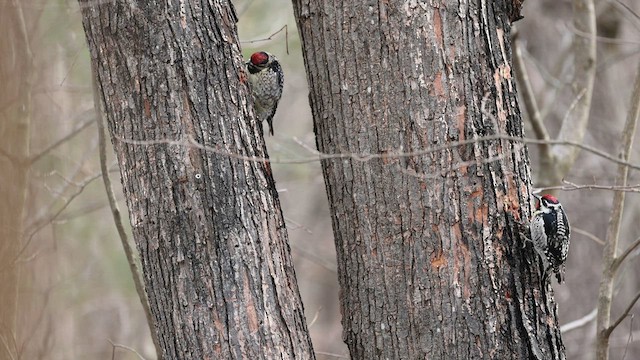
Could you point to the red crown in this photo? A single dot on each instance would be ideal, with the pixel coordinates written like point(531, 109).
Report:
point(260, 57)
point(550, 198)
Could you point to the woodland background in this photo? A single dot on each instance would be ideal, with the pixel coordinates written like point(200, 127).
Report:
point(76, 290)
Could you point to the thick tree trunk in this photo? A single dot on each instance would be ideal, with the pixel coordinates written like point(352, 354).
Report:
point(430, 263)
point(208, 226)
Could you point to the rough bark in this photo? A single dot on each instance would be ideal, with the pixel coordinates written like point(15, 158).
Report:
point(208, 226)
point(429, 260)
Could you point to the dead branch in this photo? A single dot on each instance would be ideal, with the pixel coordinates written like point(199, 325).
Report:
point(624, 314)
point(386, 155)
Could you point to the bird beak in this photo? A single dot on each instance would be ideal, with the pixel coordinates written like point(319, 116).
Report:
point(538, 200)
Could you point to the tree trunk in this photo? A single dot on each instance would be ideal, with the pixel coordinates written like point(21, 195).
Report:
point(208, 225)
point(16, 87)
point(430, 262)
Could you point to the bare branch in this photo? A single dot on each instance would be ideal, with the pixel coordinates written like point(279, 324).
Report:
point(624, 315)
point(386, 155)
point(570, 186)
point(625, 10)
point(297, 225)
point(315, 318)
point(89, 118)
point(530, 103)
point(609, 265)
point(9, 156)
point(618, 261)
point(578, 323)
point(314, 258)
point(332, 355)
point(42, 223)
point(114, 345)
point(6, 345)
point(603, 39)
point(584, 54)
point(286, 35)
point(588, 235)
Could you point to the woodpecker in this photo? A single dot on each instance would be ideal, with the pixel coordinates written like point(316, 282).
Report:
point(266, 80)
point(550, 234)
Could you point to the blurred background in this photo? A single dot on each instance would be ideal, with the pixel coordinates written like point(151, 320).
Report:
point(77, 296)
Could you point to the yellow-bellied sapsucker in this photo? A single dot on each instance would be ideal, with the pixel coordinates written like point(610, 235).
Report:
point(266, 80)
point(550, 233)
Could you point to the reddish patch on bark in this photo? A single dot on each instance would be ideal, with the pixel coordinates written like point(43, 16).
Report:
point(550, 321)
point(512, 200)
point(437, 84)
point(217, 347)
point(476, 193)
point(479, 213)
point(147, 108)
point(461, 120)
point(385, 158)
point(438, 261)
point(437, 26)
point(507, 294)
point(252, 316)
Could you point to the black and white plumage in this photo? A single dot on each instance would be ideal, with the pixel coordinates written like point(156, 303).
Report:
point(266, 80)
point(550, 233)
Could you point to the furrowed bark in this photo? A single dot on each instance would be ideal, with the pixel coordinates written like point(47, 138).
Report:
point(208, 226)
point(429, 259)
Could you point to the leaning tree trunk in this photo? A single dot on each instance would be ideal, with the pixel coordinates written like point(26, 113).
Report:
point(430, 263)
point(207, 224)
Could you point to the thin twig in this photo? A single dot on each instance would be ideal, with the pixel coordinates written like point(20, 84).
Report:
point(286, 35)
point(624, 314)
point(315, 318)
point(387, 155)
point(618, 261)
point(89, 119)
point(574, 125)
point(41, 224)
point(332, 354)
point(530, 103)
point(572, 186)
point(625, 10)
point(603, 39)
point(298, 226)
point(588, 234)
point(314, 258)
point(114, 345)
